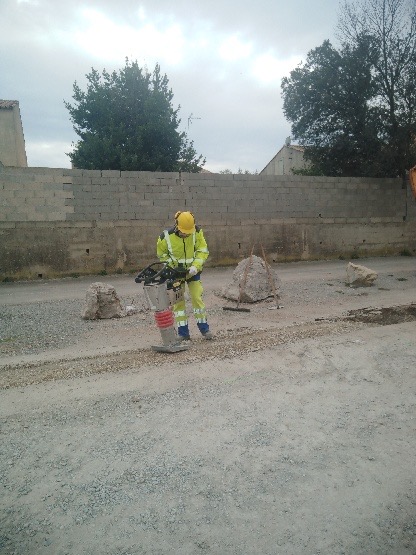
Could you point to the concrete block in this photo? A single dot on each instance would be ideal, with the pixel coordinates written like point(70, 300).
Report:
point(122, 186)
point(208, 185)
point(49, 187)
point(145, 204)
point(18, 193)
point(164, 196)
point(152, 190)
point(55, 216)
point(160, 202)
point(91, 173)
point(80, 181)
point(131, 174)
point(133, 224)
point(99, 181)
point(84, 208)
point(171, 181)
point(71, 172)
point(190, 177)
point(74, 218)
point(126, 215)
point(63, 194)
point(15, 217)
point(166, 175)
point(81, 224)
point(110, 173)
point(142, 183)
point(47, 172)
point(107, 214)
point(221, 180)
point(94, 216)
point(137, 174)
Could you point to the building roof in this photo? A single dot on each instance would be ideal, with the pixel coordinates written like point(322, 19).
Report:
point(5, 104)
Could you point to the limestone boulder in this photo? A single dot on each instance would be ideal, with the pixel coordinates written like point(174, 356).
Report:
point(102, 302)
point(360, 276)
point(251, 279)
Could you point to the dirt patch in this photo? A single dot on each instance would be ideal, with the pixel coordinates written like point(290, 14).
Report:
point(384, 316)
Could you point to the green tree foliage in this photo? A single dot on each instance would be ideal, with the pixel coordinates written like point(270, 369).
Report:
point(126, 121)
point(326, 101)
point(354, 108)
point(391, 27)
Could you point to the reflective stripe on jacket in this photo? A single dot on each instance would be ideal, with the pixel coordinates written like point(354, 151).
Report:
point(185, 251)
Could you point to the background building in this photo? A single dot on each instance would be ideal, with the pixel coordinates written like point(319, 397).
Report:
point(289, 157)
point(12, 141)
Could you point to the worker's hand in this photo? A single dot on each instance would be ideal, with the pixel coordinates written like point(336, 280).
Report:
point(192, 271)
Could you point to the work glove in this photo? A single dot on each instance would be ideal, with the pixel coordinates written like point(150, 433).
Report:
point(192, 271)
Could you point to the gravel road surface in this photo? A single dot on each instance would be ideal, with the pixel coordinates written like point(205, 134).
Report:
point(291, 433)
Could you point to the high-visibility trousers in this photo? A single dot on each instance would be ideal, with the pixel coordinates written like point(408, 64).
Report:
point(179, 309)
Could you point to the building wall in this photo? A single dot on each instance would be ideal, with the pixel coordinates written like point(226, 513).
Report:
point(288, 158)
point(55, 222)
point(12, 142)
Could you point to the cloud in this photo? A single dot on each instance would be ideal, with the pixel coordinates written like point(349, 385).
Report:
point(224, 62)
point(232, 48)
point(109, 41)
point(269, 69)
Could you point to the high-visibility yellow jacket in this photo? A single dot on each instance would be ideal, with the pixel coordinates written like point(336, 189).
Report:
point(182, 251)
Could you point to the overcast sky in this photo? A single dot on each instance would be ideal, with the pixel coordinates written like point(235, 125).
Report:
point(224, 60)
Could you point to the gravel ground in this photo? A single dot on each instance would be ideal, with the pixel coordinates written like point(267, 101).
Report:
point(291, 433)
point(45, 326)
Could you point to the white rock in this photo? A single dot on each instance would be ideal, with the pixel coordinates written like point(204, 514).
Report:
point(360, 276)
point(255, 286)
point(102, 302)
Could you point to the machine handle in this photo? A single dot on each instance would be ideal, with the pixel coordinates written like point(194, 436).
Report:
point(150, 275)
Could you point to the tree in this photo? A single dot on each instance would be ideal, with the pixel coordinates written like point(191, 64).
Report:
point(337, 100)
point(391, 27)
point(126, 121)
point(326, 99)
point(227, 171)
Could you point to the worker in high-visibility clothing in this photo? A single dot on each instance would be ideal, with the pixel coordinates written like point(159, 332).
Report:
point(184, 247)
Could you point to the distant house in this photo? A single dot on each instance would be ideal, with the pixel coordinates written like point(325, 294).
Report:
point(12, 141)
point(288, 158)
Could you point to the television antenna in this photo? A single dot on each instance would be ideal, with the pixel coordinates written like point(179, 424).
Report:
point(191, 118)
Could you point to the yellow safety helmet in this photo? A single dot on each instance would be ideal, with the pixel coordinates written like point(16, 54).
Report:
point(185, 222)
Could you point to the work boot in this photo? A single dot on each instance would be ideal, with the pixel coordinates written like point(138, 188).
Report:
point(207, 335)
point(183, 332)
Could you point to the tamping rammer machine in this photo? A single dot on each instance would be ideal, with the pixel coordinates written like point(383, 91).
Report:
point(162, 289)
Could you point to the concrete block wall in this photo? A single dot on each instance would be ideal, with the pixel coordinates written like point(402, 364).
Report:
point(62, 221)
point(35, 195)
